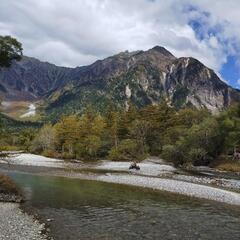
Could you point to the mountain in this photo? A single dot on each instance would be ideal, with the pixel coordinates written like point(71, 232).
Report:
point(140, 77)
point(31, 79)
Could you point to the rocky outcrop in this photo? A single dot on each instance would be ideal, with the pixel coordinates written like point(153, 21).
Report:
point(189, 81)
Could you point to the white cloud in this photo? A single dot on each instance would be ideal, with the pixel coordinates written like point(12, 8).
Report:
point(81, 31)
point(238, 82)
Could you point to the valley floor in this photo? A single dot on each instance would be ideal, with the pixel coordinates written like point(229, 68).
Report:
point(155, 174)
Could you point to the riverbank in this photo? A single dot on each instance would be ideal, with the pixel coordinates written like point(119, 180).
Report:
point(17, 225)
point(14, 223)
point(9, 192)
point(154, 174)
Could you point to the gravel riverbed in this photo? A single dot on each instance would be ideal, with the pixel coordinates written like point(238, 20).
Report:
point(175, 186)
point(17, 225)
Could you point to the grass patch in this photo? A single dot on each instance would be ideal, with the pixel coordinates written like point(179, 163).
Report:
point(7, 186)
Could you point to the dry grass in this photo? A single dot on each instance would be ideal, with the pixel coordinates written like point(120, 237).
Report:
point(226, 164)
point(232, 167)
point(10, 148)
point(7, 186)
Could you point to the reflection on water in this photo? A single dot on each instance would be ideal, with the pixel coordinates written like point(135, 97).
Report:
point(93, 210)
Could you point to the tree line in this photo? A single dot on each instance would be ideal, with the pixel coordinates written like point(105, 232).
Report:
point(185, 136)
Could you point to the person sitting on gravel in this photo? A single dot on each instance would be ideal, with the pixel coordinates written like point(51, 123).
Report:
point(134, 166)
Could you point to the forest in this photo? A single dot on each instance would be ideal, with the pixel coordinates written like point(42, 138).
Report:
point(184, 137)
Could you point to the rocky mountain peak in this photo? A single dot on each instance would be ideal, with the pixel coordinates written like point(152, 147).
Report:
point(149, 76)
point(162, 51)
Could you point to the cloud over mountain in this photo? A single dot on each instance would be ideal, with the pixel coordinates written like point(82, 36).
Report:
point(79, 32)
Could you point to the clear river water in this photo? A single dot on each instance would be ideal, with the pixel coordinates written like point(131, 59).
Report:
point(90, 210)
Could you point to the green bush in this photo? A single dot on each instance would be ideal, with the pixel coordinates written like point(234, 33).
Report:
point(198, 156)
point(172, 154)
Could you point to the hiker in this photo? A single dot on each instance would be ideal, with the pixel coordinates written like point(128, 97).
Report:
point(134, 166)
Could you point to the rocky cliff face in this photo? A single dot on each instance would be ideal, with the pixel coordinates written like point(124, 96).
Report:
point(142, 77)
point(189, 82)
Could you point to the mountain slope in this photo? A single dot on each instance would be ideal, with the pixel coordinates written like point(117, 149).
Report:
point(31, 79)
point(146, 78)
point(142, 77)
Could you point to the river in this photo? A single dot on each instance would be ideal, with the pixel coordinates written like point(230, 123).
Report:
point(83, 209)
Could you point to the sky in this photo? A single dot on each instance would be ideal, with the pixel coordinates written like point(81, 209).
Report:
point(79, 32)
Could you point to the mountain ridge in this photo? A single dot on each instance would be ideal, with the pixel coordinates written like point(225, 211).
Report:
point(142, 77)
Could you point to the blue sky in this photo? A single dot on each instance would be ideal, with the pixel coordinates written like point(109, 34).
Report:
point(74, 33)
point(230, 72)
point(230, 69)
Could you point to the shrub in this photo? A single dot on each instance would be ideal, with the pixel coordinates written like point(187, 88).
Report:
point(198, 156)
point(171, 153)
point(50, 154)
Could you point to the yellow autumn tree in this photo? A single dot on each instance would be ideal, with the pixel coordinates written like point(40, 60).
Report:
point(67, 135)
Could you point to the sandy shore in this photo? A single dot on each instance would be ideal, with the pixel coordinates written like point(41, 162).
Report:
point(17, 225)
point(28, 159)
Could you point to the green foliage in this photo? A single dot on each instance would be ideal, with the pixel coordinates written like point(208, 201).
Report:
point(10, 49)
point(127, 150)
point(185, 137)
point(80, 137)
point(171, 153)
point(15, 135)
point(179, 96)
point(25, 138)
point(229, 122)
point(198, 145)
point(197, 156)
point(139, 131)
